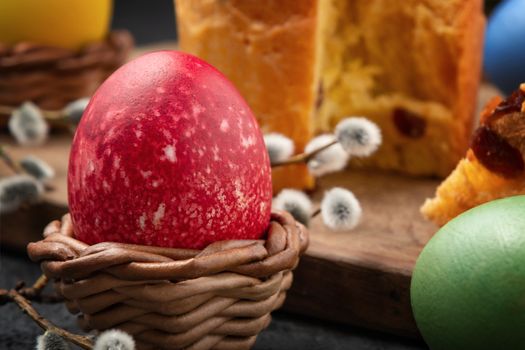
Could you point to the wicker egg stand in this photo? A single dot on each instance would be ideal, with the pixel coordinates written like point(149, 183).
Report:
point(51, 77)
point(217, 298)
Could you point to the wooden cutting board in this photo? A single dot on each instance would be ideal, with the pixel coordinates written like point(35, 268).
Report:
point(360, 277)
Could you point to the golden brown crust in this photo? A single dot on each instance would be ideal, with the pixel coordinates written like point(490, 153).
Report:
point(267, 50)
point(471, 26)
point(429, 69)
point(469, 185)
point(494, 166)
point(275, 54)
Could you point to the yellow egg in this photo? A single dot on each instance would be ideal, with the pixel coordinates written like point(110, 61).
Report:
point(65, 23)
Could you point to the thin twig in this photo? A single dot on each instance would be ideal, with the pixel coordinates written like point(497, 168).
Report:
point(48, 115)
point(9, 161)
point(11, 164)
point(303, 157)
point(24, 304)
point(35, 291)
point(316, 212)
point(40, 283)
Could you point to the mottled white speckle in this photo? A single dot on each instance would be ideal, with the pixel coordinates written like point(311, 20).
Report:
point(138, 133)
point(224, 125)
point(189, 132)
point(239, 194)
point(91, 167)
point(160, 90)
point(159, 214)
point(262, 207)
point(197, 109)
point(215, 151)
point(169, 152)
point(247, 142)
point(146, 174)
point(116, 162)
point(142, 221)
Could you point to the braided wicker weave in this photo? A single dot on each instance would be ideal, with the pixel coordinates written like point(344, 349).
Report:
point(217, 298)
point(52, 76)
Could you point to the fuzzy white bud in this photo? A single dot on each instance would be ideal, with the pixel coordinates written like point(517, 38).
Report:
point(37, 168)
point(114, 339)
point(330, 160)
point(74, 110)
point(340, 209)
point(359, 136)
point(27, 125)
point(17, 190)
point(296, 203)
point(279, 147)
point(51, 341)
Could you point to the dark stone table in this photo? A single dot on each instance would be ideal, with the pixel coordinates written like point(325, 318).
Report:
point(18, 331)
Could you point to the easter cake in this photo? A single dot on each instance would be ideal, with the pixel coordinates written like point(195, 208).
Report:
point(304, 65)
point(494, 166)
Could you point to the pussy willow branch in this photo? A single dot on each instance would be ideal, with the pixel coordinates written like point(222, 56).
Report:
point(48, 115)
point(11, 164)
point(35, 291)
point(24, 304)
point(58, 117)
point(8, 160)
point(20, 296)
point(303, 157)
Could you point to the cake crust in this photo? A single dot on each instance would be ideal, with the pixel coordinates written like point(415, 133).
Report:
point(411, 66)
point(268, 53)
point(304, 65)
point(494, 166)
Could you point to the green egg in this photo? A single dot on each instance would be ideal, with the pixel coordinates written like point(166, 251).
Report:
point(468, 286)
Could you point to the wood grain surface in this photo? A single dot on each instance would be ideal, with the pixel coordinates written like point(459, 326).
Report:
point(360, 277)
point(26, 224)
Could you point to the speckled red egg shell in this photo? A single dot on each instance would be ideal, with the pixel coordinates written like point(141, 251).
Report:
point(168, 154)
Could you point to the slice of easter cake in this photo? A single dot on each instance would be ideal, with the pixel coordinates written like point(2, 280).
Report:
point(494, 166)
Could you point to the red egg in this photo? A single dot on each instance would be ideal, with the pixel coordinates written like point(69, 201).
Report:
point(168, 154)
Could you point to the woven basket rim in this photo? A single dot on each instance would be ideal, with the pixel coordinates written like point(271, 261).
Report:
point(219, 297)
point(33, 55)
point(63, 256)
point(53, 76)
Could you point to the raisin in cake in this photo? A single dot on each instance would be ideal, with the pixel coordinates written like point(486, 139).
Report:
point(494, 166)
point(412, 66)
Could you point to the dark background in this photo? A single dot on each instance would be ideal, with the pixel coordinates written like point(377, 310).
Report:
point(148, 20)
point(153, 21)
